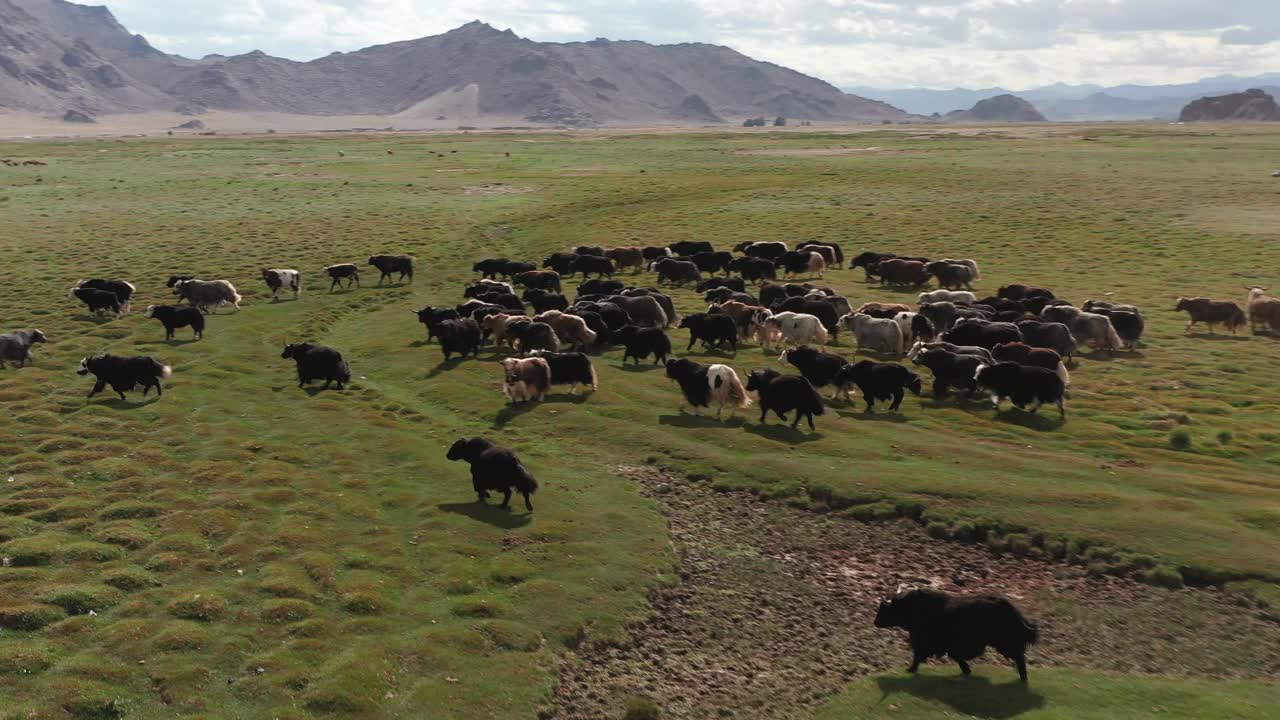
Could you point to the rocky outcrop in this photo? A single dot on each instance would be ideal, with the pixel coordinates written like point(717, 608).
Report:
point(1250, 105)
point(1001, 108)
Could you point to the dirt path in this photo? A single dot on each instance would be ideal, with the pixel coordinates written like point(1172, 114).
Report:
point(774, 606)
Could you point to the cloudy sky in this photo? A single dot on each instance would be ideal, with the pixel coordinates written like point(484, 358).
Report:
point(885, 43)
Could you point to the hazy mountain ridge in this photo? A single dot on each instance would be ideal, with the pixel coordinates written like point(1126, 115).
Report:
point(1061, 101)
point(472, 71)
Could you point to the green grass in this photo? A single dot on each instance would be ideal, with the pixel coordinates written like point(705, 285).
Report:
point(1053, 694)
point(325, 532)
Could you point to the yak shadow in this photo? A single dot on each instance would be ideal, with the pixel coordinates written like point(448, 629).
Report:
point(420, 343)
point(116, 403)
point(971, 695)
point(878, 415)
point(689, 420)
point(168, 343)
point(314, 390)
point(1042, 422)
point(444, 366)
point(492, 514)
point(96, 319)
point(510, 412)
point(1218, 337)
point(783, 433)
point(643, 367)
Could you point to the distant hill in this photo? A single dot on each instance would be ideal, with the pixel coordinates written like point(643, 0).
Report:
point(1079, 102)
point(1251, 105)
point(1001, 108)
point(57, 56)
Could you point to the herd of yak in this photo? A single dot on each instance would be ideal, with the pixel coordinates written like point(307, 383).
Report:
point(1013, 345)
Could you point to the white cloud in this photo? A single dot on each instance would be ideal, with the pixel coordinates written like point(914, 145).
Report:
point(935, 43)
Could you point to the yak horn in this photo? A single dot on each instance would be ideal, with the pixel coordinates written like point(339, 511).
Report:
point(901, 589)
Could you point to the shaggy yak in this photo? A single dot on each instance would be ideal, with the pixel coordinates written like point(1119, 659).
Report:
point(494, 468)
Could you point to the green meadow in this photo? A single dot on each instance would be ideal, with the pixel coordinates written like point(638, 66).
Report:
point(242, 548)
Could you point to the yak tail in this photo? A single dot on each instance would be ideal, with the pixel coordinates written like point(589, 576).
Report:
point(662, 320)
point(1113, 338)
point(590, 336)
point(977, 274)
point(821, 335)
point(529, 483)
point(737, 396)
point(1063, 374)
point(166, 372)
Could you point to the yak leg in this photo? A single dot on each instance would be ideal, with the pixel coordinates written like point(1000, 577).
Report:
point(964, 666)
point(528, 504)
point(1062, 409)
point(897, 398)
point(764, 413)
point(97, 387)
point(809, 417)
point(506, 498)
point(916, 659)
point(1021, 661)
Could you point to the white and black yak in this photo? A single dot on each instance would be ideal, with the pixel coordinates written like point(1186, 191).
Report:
point(707, 385)
point(124, 373)
point(15, 347)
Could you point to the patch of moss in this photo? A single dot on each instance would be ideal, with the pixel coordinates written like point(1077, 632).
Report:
point(286, 610)
point(29, 616)
point(199, 606)
point(130, 579)
point(80, 599)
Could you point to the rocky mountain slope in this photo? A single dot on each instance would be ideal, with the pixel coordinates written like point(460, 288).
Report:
point(1001, 108)
point(57, 56)
point(1251, 105)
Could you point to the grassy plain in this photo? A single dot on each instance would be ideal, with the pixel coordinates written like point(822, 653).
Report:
point(249, 549)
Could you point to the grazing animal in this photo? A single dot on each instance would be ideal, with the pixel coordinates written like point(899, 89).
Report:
point(497, 324)
point(878, 381)
point(1264, 310)
point(595, 250)
point(124, 373)
point(390, 264)
point(798, 262)
point(963, 297)
point(526, 379)
point(317, 362)
point(612, 315)
point(122, 290)
point(763, 250)
point(343, 271)
point(907, 324)
point(542, 301)
point(641, 342)
point(642, 309)
point(1099, 306)
point(491, 267)
point(626, 257)
point(982, 333)
point(1024, 354)
point(507, 301)
point(675, 272)
point(959, 626)
point(690, 247)
point(724, 294)
point(664, 301)
point(950, 370)
point(712, 262)
point(598, 286)
point(591, 265)
point(572, 368)
point(732, 284)
point(798, 328)
point(460, 336)
point(754, 268)
point(533, 335)
point(951, 276)
point(971, 264)
point(1088, 328)
point(569, 328)
point(922, 346)
point(1022, 384)
point(824, 310)
point(540, 279)
point(595, 323)
point(432, 317)
point(282, 279)
point(15, 347)
point(742, 314)
point(485, 285)
point(831, 252)
point(782, 394)
point(921, 327)
point(1212, 312)
point(896, 271)
point(652, 253)
point(97, 300)
point(1052, 335)
point(515, 267)
point(870, 262)
point(173, 280)
point(882, 309)
point(879, 334)
point(1129, 324)
point(206, 293)
point(1021, 292)
point(819, 368)
point(712, 329)
point(704, 385)
point(494, 468)
point(177, 316)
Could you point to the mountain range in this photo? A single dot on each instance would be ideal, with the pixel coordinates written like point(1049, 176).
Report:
point(59, 58)
point(1064, 102)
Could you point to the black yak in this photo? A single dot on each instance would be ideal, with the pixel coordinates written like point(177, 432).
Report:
point(494, 468)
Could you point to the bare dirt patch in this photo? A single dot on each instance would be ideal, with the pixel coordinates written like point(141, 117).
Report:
point(496, 189)
point(773, 612)
point(812, 152)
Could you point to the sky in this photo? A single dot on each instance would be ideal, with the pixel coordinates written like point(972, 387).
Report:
point(1015, 44)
